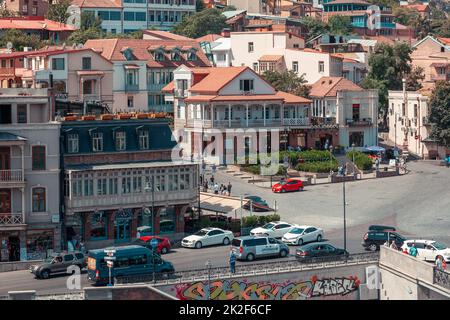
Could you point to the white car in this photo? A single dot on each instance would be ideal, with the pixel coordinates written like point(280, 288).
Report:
point(208, 237)
point(428, 250)
point(300, 235)
point(275, 229)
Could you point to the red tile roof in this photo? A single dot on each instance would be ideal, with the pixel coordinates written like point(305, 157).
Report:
point(209, 38)
point(216, 79)
point(165, 35)
point(329, 86)
point(113, 49)
point(291, 98)
point(270, 58)
point(97, 3)
point(34, 23)
point(418, 7)
point(444, 40)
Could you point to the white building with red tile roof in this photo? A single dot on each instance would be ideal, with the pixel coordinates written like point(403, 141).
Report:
point(353, 109)
point(233, 98)
point(143, 67)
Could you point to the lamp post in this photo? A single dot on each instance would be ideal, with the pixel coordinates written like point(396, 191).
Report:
point(345, 220)
point(208, 264)
point(151, 187)
point(353, 158)
point(331, 158)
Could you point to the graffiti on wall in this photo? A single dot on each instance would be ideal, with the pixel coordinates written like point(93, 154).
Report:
point(244, 290)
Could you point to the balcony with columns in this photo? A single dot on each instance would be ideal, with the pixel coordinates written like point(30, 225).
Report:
point(256, 115)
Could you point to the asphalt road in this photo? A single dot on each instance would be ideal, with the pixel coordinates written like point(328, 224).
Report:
point(418, 204)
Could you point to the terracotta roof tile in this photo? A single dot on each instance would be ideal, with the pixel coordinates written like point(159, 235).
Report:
point(216, 79)
point(165, 35)
point(271, 58)
point(291, 98)
point(329, 86)
point(444, 40)
point(209, 38)
point(34, 23)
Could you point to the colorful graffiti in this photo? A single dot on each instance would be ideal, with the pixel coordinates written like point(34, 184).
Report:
point(243, 290)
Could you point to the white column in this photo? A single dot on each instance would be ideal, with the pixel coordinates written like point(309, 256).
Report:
point(23, 205)
point(264, 114)
point(229, 116)
point(212, 116)
point(246, 114)
point(70, 186)
point(23, 162)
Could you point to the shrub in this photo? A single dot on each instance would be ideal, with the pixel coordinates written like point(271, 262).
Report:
point(250, 221)
point(362, 160)
point(253, 221)
point(319, 167)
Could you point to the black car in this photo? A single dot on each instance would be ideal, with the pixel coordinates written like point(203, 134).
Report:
point(258, 204)
point(319, 252)
point(376, 236)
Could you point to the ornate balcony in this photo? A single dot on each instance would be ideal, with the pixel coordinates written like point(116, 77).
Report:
point(11, 177)
point(10, 219)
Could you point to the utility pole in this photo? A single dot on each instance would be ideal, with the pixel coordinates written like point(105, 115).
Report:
point(405, 101)
point(345, 220)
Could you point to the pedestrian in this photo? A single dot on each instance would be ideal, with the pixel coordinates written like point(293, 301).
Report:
point(405, 251)
point(229, 188)
point(444, 265)
point(216, 188)
point(232, 262)
point(413, 251)
point(439, 263)
point(205, 186)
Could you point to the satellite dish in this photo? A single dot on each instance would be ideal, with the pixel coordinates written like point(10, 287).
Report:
point(9, 45)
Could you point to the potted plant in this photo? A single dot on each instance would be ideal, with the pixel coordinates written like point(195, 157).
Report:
point(124, 116)
point(141, 116)
point(88, 117)
point(107, 116)
point(70, 118)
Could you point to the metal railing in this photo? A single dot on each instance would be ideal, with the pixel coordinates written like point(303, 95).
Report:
point(441, 278)
point(11, 176)
point(79, 295)
point(296, 121)
point(244, 270)
point(11, 219)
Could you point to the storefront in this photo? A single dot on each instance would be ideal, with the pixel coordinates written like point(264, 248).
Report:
point(39, 243)
point(10, 246)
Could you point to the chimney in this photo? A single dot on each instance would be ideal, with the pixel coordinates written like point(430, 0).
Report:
point(225, 32)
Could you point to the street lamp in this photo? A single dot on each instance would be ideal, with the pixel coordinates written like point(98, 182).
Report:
point(331, 158)
point(208, 264)
point(353, 158)
point(345, 220)
point(151, 187)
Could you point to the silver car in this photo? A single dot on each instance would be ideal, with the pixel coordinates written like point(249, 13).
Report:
point(253, 247)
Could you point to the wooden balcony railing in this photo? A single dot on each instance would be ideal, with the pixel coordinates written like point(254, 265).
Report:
point(10, 219)
point(8, 176)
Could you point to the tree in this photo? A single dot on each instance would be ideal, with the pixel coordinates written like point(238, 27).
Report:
point(414, 79)
point(90, 28)
point(201, 23)
point(58, 11)
point(340, 25)
point(5, 13)
point(20, 40)
point(440, 113)
point(199, 5)
point(315, 27)
point(404, 15)
point(388, 65)
point(89, 20)
point(287, 81)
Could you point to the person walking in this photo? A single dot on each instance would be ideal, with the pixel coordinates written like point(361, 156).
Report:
point(413, 251)
point(229, 188)
point(444, 265)
point(232, 262)
point(439, 263)
point(216, 188)
point(212, 179)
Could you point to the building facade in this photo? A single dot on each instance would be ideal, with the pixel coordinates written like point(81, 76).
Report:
point(28, 8)
point(115, 172)
point(29, 176)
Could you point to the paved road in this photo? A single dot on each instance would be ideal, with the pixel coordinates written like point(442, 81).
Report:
point(417, 203)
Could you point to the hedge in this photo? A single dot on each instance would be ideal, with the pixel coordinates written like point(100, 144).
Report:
point(256, 169)
point(254, 221)
point(319, 167)
point(362, 160)
point(306, 156)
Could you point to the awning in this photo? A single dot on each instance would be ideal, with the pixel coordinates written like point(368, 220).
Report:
point(376, 149)
point(90, 73)
point(131, 66)
point(220, 204)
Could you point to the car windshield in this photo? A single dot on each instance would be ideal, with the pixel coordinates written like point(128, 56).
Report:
point(49, 259)
point(268, 226)
point(439, 246)
point(282, 182)
point(297, 231)
point(201, 233)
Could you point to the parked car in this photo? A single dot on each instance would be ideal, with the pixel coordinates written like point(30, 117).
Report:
point(275, 229)
point(166, 226)
point(288, 185)
point(258, 204)
point(303, 234)
point(163, 243)
point(129, 261)
point(319, 251)
point(144, 231)
point(376, 236)
point(251, 247)
point(208, 237)
point(428, 250)
point(58, 263)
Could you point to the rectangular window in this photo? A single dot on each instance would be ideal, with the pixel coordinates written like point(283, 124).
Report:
point(141, 16)
point(87, 86)
point(101, 186)
point(72, 143)
point(126, 185)
point(255, 66)
point(143, 139)
point(86, 63)
point(21, 113)
point(104, 15)
point(192, 56)
point(88, 186)
point(38, 157)
point(128, 16)
point(137, 184)
point(121, 140)
point(221, 57)
point(321, 66)
point(39, 200)
point(415, 111)
point(77, 188)
point(356, 138)
point(130, 103)
point(295, 66)
point(250, 47)
point(113, 186)
point(115, 16)
point(246, 85)
point(58, 64)
point(99, 226)
point(97, 141)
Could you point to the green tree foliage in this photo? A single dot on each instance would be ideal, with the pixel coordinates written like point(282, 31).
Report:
point(58, 11)
point(88, 20)
point(315, 27)
point(90, 28)
point(287, 81)
point(20, 40)
point(5, 13)
point(362, 160)
point(440, 113)
point(201, 23)
point(414, 79)
point(387, 67)
point(404, 15)
point(340, 25)
point(199, 5)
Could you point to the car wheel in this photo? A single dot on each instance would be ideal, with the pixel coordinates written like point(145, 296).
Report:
point(198, 245)
point(250, 257)
point(300, 242)
point(319, 238)
point(226, 241)
point(283, 190)
point(164, 250)
point(45, 274)
point(373, 247)
point(283, 253)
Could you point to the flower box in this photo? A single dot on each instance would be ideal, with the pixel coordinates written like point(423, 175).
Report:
point(88, 118)
point(107, 117)
point(124, 116)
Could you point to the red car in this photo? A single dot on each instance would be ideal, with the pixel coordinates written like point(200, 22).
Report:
point(288, 185)
point(163, 243)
